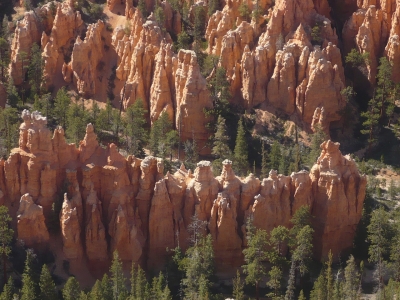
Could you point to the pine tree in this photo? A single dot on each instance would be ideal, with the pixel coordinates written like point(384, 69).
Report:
point(142, 8)
point(35, 69)
point(6, 235)
point(183, 41)
point(23, 57)
point(220, 145)
point(317, 139)
point(238, 293)
point(159, 289)
point(371, 122)
point(106, 288)
point(319, 289)
point(77, 119)
point(158, 133)
point(12, 94)
point(301, 296)
point(328, 276)
point(379, 231)
point(97, 292)
point(159, 16)
point(199, 21)
point(302, 217)
point(136, 134)
point(62, 103)
point(47, 286)
point(279, 237)
point(219, 89)
point(351, 280)
point(140, 284)
point(212, 6)
point(8, 290)
point(275, 156)
point(241, 152)
point(4, 59)
point(117, 277)
point(275, 281)
point(264, 162)
point(254, 255)
point(71, 290)
point(29, 286)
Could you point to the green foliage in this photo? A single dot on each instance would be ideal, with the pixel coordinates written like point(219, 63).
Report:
point(191, 153)
point(220, 147)
point(9, 133)
point(160, 136)
point(95, 12)
point(352, 280)
point(106, 288)
point(356, 59)
point(212, 6)
point(219, 90)
point(238, 293)
point(134, 122)
point(255, 255)
point(142, 8)
point(240, 153)
point(198, 263)
point(159, 16)
point(159, 289)
point(264, 162)
point(117, 278)
point(318, 137)
point(47, 286)
point(6, 235)
point(12, 94)
point(77, 119)
point(29, 285)
point(35, 70)
point(8, 290)
point(71, 290)
point(183, 41)
point(199, 22)
point(4, 59)
point(316, 38)
point(62, 103)
point(97, 292)
point(275, 156)
point(244, 11)
point(301, 218)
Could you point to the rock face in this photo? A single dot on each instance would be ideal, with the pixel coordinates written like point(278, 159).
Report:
point(338, 190)
point(145, 212)
point(31, 227)
point(65, 28)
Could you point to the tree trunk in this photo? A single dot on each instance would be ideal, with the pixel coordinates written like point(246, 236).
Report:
point(5, 268)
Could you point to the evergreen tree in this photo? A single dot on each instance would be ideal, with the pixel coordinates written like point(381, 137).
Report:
point(159, 16)
point(159, 289)
point(219, 90)
point(140, 285)
point(8, 290)
point(199, 21)
point(6, 235)
point(220, 146)
point(212, 7)
point(97, 292)
point(23, 57)
point(117, 278)
point(275, 156)
point(12, 94)
point(275, 282)
point(183, 41)
point(71, 290)
point(142, 8)
point(279, 238)
point(244, 11)
point(328, 276)
point(47, 286)
point(264, 162)
point(35, 69)
point(158, 134)
point(136, 134)
point(29, 286)
point(371, 122)
point(106, 288)
point(379, 231)
point(255, 255)
point(4, 59)
point(62, 103)
point(241, 152)
point(351, 280)
point(300, 219)
point(77, 120)
point(238, 293)
point(395, 254)
point(301, 296)
point(191, 153)
point(319, 289)
point(317, 139)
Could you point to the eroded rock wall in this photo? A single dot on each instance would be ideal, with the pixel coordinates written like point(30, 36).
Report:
point(129, 205)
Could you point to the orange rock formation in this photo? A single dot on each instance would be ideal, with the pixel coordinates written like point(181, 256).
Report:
point(144, 212)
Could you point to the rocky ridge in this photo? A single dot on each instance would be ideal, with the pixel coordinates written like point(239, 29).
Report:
point(128, 204)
